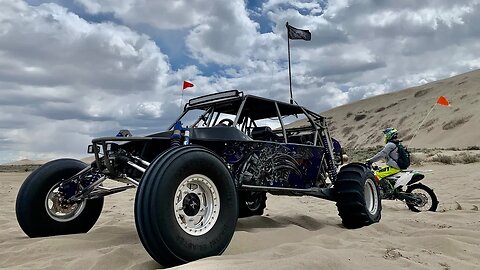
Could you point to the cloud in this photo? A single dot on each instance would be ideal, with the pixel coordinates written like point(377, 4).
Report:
point(75, 70)
point(48, 46)
point(160, 14)
point(58, 71)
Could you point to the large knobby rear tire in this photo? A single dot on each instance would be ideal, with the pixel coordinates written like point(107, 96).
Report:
point(34, 206)
point(358, 196)
point(251, 203)
point(427, 200)
point(186, 206)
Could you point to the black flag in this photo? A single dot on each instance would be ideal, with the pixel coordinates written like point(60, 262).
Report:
point(295, 33)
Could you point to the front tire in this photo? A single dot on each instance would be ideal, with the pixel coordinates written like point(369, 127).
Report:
point(358, 196)
point(425, 198)
point(38, 211)
point(186, 206)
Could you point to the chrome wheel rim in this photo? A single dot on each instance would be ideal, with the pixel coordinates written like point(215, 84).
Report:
point(196, 204)
point(60, 211)
point(371, 196)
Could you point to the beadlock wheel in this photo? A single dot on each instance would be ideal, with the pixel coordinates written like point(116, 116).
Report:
point(40, 208)
point(357, 196)
point(186, 206)
point(371, 195)
point(196, 204)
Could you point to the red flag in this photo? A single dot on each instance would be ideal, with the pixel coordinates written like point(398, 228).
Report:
point(187, 84)
point(443, 101)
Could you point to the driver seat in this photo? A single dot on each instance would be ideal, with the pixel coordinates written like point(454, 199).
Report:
point(263, 134)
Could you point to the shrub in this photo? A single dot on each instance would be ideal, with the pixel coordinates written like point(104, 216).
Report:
point(416, 159)
point(347, 130)
point(380, 109)
point(353, 137)
point(359, 117)
point(467, 158)
point(430, 122)
point(456, 122)
point(443, 159)
point(473, 147)
point(391, 105)
point(361, 154)
point(422, 92)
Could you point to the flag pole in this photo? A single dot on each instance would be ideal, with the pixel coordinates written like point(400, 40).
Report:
point(289, 67)
point(416, 131)
point(181, 102)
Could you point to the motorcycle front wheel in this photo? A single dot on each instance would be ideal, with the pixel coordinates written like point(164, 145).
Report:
point(422, 198)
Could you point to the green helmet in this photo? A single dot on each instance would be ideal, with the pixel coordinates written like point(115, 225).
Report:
point(390, 134)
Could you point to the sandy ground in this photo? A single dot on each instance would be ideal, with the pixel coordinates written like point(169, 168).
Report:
point(301, 233)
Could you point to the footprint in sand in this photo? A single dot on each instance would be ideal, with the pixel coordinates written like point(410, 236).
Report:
point(459, 206)
point(392, 254)
point(445, 266)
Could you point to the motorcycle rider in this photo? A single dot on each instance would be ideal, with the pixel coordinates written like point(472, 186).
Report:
point(389, 153)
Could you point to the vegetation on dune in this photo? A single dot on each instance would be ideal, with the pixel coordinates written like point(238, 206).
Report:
point(420, 156)
point(443, 159)
point(456, 122)
point(19, 168)
point(359, 117)
point(422, 92)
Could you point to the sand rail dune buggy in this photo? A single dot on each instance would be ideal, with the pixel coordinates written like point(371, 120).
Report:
point(194, 182)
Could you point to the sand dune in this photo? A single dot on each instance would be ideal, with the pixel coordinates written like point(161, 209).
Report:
point(359, 124)
point(26, 162)
point(295, 232)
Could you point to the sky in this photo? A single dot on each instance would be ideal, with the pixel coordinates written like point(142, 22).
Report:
point(73, 70)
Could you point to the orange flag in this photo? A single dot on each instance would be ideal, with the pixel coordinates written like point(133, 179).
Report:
point(443, 101)
point(187, 84)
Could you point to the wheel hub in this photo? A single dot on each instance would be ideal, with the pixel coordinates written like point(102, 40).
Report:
point(196, 204)
point(421, 200)
point(57, 207)
point(191, 204)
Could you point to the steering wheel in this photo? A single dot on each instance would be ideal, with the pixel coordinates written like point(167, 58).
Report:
point(228, 122)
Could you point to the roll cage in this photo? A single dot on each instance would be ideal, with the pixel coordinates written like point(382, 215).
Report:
point(246, 111)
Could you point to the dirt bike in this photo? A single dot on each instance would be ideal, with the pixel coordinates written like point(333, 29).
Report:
point(405, 186)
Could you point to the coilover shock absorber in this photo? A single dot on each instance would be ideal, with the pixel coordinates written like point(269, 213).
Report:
point(176, 135)
point(176, 138)
point(332, 168)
